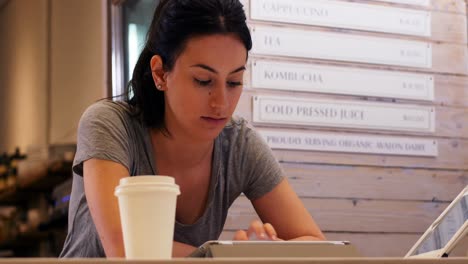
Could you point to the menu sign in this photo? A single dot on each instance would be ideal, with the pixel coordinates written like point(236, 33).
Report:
point(279, 41)
point(341, 14)
point(351, 143)
point(340, 80)
point(409, 2)
point(338, 113)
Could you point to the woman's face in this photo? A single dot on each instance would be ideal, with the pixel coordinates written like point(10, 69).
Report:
point(203, 88)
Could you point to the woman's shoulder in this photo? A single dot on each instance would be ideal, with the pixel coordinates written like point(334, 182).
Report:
point(108, 107)
point(107, 113)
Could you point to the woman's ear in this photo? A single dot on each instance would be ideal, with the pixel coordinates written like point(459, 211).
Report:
point(157, 72)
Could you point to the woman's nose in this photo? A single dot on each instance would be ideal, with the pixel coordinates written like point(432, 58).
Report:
point(218, 97)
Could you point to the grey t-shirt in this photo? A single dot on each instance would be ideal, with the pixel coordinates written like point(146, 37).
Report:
point(242, 163)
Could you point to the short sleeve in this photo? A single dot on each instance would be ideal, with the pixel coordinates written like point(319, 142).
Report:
point(103, 134)
point(261, 169)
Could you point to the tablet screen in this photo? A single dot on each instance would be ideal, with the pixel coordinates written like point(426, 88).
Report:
point(446, 228)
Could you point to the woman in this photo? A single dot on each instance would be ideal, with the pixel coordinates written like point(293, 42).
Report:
point(177, 121)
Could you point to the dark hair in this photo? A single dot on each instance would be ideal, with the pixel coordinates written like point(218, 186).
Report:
point(174, 23)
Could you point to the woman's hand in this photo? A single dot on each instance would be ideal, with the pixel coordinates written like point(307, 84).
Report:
point(281, 201)
point(257, 231)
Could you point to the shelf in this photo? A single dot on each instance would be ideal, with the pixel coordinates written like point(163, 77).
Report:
point(34, 188)
point(56, 222)
point(26, 245)
point(57, 173)
point(24, 240)
point(53, 230)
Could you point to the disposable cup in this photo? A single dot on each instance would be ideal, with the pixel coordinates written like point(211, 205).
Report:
point(147, 206)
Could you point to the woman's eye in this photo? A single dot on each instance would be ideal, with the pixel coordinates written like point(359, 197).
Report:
point(202, 82)
point(234, 84)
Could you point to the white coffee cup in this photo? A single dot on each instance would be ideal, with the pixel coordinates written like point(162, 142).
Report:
point(147, 211)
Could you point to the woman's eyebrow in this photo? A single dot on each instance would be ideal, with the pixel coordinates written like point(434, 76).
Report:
point(208, 68)
point(241, 68)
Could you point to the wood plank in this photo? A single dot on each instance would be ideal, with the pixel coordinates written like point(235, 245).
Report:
point(449, 27)
point(360, 215)
point(449, 58)
point(449, 90)
point(368, 244)
point(450, 121)
point(325, 181)
point(445, 54)
point(455, 6)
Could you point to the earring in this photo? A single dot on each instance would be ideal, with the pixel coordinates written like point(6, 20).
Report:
point(159, 86)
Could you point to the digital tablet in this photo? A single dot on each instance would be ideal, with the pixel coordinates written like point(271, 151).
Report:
point(448, 235)
point(275, 249)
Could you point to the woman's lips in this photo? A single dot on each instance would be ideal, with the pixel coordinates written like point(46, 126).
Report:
point(214, 121)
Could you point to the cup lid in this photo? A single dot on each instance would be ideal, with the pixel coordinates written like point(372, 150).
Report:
point(147, 179)
point(146, 183)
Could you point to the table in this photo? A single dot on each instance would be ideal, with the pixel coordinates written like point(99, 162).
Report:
point(244, 261)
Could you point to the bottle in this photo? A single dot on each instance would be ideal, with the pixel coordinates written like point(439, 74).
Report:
point(3, 170)
point(13, 169)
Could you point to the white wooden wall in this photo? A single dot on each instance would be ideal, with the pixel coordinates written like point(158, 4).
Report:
point(380, 202)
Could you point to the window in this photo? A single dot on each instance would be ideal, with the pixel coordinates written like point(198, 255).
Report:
point(130, 22)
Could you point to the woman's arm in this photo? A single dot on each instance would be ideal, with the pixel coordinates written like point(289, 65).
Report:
point(180, 250)
point(100, 179)
point(286, 213)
